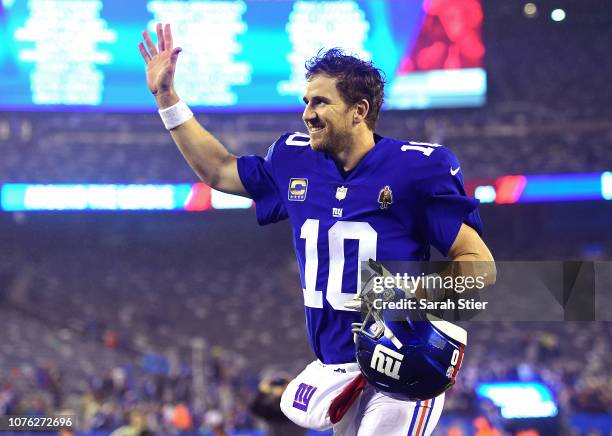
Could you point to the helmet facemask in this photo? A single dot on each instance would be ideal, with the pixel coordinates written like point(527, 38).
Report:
point(372, 325)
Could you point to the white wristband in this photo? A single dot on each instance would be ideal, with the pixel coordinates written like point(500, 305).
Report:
point(175, 115)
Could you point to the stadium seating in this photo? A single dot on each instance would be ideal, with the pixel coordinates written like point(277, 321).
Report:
point(101, 327)
point(115, 328)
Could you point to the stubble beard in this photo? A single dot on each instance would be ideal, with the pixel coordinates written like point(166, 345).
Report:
point(332, 142)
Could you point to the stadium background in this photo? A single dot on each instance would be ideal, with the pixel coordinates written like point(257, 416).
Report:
point(175, 318)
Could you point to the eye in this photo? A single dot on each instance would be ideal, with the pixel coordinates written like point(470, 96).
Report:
point(316, 101)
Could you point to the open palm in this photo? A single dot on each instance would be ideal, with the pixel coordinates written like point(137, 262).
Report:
point(160, 60)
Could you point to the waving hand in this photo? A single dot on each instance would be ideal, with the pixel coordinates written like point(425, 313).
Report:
point(160, 60)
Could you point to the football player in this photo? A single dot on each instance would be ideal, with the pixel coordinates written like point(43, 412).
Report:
point(350, 195)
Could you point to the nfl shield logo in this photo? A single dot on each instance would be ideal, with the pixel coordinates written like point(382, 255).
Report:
point(341, 192)
point(449, 371)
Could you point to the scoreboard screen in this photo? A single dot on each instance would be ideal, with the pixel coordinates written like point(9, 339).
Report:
point(237, 55)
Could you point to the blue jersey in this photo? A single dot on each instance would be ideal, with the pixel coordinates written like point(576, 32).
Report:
point(400, 199)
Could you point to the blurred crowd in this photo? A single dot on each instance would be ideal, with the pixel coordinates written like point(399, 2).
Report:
point(127, 336)
point(124, 336)
point(568, 357)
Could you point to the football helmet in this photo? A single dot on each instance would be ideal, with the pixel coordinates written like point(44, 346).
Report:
point(404, 352)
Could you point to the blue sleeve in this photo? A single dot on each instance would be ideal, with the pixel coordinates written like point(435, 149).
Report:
point(257, 177)
point(445, 203)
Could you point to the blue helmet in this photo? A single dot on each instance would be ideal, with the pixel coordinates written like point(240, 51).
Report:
point(406, 353)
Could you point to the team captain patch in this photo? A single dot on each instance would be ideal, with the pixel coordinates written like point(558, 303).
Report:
point(297, 189)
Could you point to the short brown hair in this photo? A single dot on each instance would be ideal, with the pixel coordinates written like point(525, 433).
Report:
point(356, 79)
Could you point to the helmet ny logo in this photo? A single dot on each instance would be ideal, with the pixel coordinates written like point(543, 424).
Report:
point(386, 361)
point(303, 396)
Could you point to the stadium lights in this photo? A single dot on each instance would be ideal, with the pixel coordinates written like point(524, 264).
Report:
point(530, 10)
point(557, 15)
point(606, 185)
point(486, 194)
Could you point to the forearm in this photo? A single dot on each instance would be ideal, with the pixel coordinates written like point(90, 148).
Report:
point(206, 156)
point(475, 270)
point(473, 265)
point(210, 160)
point(471, 257)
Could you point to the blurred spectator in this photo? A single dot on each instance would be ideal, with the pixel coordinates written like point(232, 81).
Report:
point(266, 406)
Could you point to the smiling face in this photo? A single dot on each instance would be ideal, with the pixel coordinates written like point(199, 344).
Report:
point(328, 118)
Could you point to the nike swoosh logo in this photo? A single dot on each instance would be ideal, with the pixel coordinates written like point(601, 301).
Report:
point(454, 171)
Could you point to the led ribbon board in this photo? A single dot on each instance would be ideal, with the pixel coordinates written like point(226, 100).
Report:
point(200, 197)
point(197, 197)
point(543, 188)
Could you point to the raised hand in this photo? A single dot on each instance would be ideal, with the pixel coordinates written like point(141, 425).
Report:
point(160, 60)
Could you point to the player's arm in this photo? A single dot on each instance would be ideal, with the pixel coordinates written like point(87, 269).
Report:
point(210, 160)
point(470, 258)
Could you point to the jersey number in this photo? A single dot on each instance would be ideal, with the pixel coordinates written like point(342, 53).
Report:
point(298, 139)
point(424, 147)
point(337, 234)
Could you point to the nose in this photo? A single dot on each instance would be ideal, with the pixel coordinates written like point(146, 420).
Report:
point(309, 114)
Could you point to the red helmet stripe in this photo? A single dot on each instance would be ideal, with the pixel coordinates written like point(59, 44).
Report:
point(458, 365)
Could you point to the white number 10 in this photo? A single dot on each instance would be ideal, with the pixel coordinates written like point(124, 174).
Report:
point(336, 236)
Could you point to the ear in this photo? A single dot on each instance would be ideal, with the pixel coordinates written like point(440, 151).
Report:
point(362, 108)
